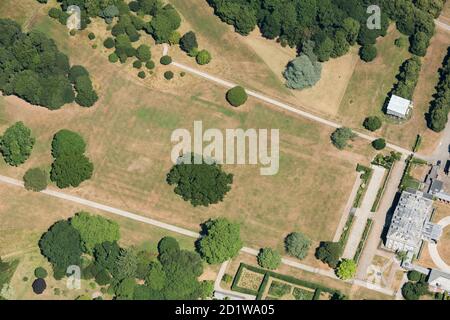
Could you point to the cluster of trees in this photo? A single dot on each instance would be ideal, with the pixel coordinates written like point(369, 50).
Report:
point(32, 68)
point(341, 136)
point(415, 287)
point(201, 184)
point(188, 43)
point(305, 70)
point(16, 144)
point(70, 166)
point(407, 78)
point(91, 242)
point(334, 26)
point(440, 106)
point(330, 253)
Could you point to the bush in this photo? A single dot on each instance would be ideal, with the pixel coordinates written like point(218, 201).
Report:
point(227, 278)
point(302, 72)
point(66, 142)
point(168, 245)
point(35, 180)
point(16, 144)
point(168, 75)
point(73, 32)
point(297, 245)
point(113, 58)
point(91, 36)
point(329, 253)
point(203, 57)
point(150, 65)
point(269, 258)
point(142, 75)
point(39, 286)
point(71, 170)
point(40, 272)
point(413, 291)
point(372, 123)
point(109, 43)
point(165, 60)
point(174, 38)
point(341, 136)
point(379, 144)
point(137, 64)
point(237, 96)
point(368, 53)
point(143, 53)
point(188, 41)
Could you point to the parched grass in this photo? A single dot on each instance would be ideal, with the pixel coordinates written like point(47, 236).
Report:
point(250, 280)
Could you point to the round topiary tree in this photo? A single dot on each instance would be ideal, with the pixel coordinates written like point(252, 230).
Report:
point(40, 272)
point(203, 57)
point(346, 269)
point(113, 58)
point(168, 75)
point(91, 36)
point(372, 123)
point(297, 245)
point(165, 60)
point(150, 65)
point(109, 43)
point(368, 53)
point(35, 180)
point(137, 64)
point(379, 144)
point(414, 275)
point(237, 96)
point(39, 286)
point(269, 258)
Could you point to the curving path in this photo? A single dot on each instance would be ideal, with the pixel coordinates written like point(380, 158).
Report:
point(434, 253)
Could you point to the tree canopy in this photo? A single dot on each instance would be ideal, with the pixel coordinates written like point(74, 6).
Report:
point(302, 72)
point(297, 245)
point(201, 184)
point(346, 269)
point(16, 144)
point(237, 96)
point(341, 136)
point(35, 179)
point(329, 253)
point(372, 123)
point(269, 258)
point(221, 242)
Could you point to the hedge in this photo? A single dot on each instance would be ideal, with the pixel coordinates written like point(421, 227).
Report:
point(363, 240)
point(317, 294)
point(271, 274)
point(365, 177)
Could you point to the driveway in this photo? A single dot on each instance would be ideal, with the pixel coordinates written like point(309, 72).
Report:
point(433, 250)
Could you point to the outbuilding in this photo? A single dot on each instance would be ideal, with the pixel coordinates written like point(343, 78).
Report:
point(399, 107)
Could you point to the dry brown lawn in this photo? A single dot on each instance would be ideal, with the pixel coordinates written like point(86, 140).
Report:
point(443, 245)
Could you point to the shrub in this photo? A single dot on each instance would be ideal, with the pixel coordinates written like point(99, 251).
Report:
point(91, 36)
point(182, 74)
point(302, 72)
point(150, 65)
point(16, 144)
point(203, 57)
point(413, 291)
point(168, 75)
point(368, 53)
point(137, 64)
point(269, 258)
point(237, 96)
point(165, 60)
point(221, 242)
point(71, 170)
point(414, 275)
point(379, 144)
point(113, 58)
point(66, 142)
point(188, 41)
point(143, 53)
point(227, 278)
point(329, 253)
point(40, 272)
point(35, 180)
point(73, 32)
point(297, 245)
point(341, 136)
point(39, 286)
point(372, 123)
point(346, 269)
point(109, 43)
point(174, 38)
point(142, 75)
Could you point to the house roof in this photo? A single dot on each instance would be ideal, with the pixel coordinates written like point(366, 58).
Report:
point(398, 105)
point(440, 278)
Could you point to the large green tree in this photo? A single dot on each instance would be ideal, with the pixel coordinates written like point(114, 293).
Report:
point(297, 245)
point(16, 144)
point(302, 72)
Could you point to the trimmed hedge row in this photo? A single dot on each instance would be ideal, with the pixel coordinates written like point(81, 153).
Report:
point(271, 274)
point(366, 175)
point(363, 240)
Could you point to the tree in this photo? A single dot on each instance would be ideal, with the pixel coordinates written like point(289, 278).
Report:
point(168, 245)
point(125, 289)
point(113, 58)
point(413, 291)
point(39, 286)
point(61, 245)
point(67, 143)
point(203, 57)
point(109, 43)
point(236, 96)
point(346, 269)
point(71, 170)
point(103, 277)
point(188, 41)
point(16, 144)
point(414, 275)
point(137, 64)
point(241, 14)
point(419, 43)
point(379, 144)
point(302, 72)
point(341, 136)
point(372, 123)
point(269, 258)
point(206, 289)
point(329, 253)
point(142, 75)
point(106, 256)
point(324, 48)
point(77, 71)
point(91, 36)
point(40, 272)
point(143, 53)
point(297, 245)
point(201, 184)
point(168, 75)
point(368, 53)
point(126, 265)
point(35, 179)
point(86, 96)
point(164, 23)
point(351, 27)
point(165, 60)
point(156, 277)
point(94, 229)
point(221, 242)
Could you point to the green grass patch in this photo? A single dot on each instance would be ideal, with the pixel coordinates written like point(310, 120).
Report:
point(279, 289)
point(7, 270)
point(159, 118)
point(302, 294)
